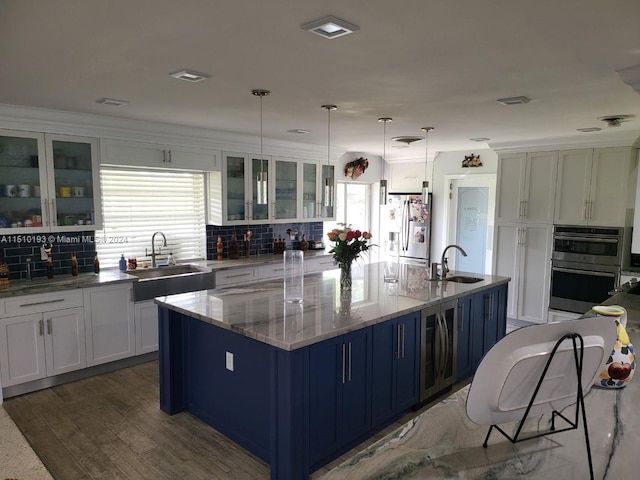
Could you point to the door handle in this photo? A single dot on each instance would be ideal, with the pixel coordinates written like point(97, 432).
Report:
point(590, 209)
point(344, 361)
point(41, 325)
point(398, 341)
point(349, 369)
point(49, 326)
point(524, 210)
point(402, 328)
point(461, 323)
point(584, 210)
point(54, 220)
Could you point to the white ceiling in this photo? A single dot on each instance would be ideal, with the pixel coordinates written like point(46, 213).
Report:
point(440, 63)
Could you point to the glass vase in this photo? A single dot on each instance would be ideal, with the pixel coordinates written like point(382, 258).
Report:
point(345, 277)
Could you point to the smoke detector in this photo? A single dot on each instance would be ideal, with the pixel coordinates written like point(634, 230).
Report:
point(408, 139)
point(615, 120)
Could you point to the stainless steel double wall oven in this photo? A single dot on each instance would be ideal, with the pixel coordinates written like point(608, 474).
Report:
point(585, 266)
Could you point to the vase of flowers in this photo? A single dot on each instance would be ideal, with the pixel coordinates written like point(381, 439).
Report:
point(349, 243)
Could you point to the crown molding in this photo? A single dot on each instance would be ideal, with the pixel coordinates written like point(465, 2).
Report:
point(34, 119)
point(591, 140)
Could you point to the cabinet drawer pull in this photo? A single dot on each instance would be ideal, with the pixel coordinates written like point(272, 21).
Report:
point(402, 328)
point(398, 342)
point(237, 275)
point(169, 156)
point(57, 300)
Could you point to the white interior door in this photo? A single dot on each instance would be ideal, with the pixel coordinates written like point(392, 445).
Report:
point(471, 220)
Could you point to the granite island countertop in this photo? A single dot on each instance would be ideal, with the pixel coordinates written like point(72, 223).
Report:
point(259, 312)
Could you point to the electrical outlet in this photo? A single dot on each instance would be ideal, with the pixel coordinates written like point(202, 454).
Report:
point(229, 361)
point(43, 254)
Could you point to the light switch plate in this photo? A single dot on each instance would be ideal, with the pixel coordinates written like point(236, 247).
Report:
point(229, 361)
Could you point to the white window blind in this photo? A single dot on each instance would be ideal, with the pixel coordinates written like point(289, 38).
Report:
point(137, 203)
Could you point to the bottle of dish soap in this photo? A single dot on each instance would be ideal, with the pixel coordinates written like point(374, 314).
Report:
point(123, 263)
point(171, 259)
point(96, 264)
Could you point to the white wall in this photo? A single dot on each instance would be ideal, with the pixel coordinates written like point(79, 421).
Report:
point(450, 163)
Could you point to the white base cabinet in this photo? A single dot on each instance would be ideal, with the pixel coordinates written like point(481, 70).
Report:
point(146, 320)
point(40, 345)
point(525, 256)
point(110, 323)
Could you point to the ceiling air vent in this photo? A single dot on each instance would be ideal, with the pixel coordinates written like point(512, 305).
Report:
point(615, 120)
point(408, 139)
point(112, 101)
point(514, 100)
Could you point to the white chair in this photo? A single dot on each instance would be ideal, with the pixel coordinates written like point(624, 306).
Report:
point(538, 370)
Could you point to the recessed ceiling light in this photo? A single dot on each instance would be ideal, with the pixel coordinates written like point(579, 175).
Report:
point(299, 130)
point(112, 101)
point(589, 129)
point(190, 75)
point(514, 100)
point(330, 27)
point(480, 139)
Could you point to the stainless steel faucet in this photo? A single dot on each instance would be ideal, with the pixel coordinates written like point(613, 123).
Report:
point(443, 262)
point(153, 247)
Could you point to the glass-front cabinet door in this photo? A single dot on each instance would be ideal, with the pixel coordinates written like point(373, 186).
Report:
point(73, 183)
point(236, 192)
point(310, 200)
point(48, 183)
point(22, 173)
point(259, 211)
point(285, 202)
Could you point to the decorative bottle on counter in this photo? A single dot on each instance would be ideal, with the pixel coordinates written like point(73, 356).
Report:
point(304, 244)
point(234, 250)
point(219, 247)
point(123, 263)
point(74, 264)
point(4, 272)
point(96, 264)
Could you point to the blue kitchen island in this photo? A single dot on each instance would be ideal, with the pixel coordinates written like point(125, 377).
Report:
point(298, 385)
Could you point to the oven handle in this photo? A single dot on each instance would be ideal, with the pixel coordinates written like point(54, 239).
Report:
point(588, 239)
point(583, 272)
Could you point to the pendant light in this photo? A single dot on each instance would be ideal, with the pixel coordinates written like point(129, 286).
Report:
point(383, 181)
point(425, 182)
point(262, 185)
point(328, 181)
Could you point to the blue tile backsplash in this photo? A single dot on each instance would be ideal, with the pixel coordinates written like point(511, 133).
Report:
point(17, 248)
point(262, 236)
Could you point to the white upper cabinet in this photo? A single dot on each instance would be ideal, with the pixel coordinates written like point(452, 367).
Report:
point(526, 187)
point(295, 190)
point(159, 156)
point(592, 186)
point(49, 183)
point(312, 181)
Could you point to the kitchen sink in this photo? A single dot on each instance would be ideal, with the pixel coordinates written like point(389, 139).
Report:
point(161, 281)
point(462, 279)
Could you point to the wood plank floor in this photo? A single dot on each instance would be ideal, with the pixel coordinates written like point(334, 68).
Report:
point(111, 427)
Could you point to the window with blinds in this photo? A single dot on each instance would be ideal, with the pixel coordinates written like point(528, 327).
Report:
point(137, 203)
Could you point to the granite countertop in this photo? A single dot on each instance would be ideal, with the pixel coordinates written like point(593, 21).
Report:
point(113, 275)
point(259, 312)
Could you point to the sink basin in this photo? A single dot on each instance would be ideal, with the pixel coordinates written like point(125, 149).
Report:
point(161, 281)
point(462, 279)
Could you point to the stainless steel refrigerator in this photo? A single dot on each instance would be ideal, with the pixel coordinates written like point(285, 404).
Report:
point(406, 222)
